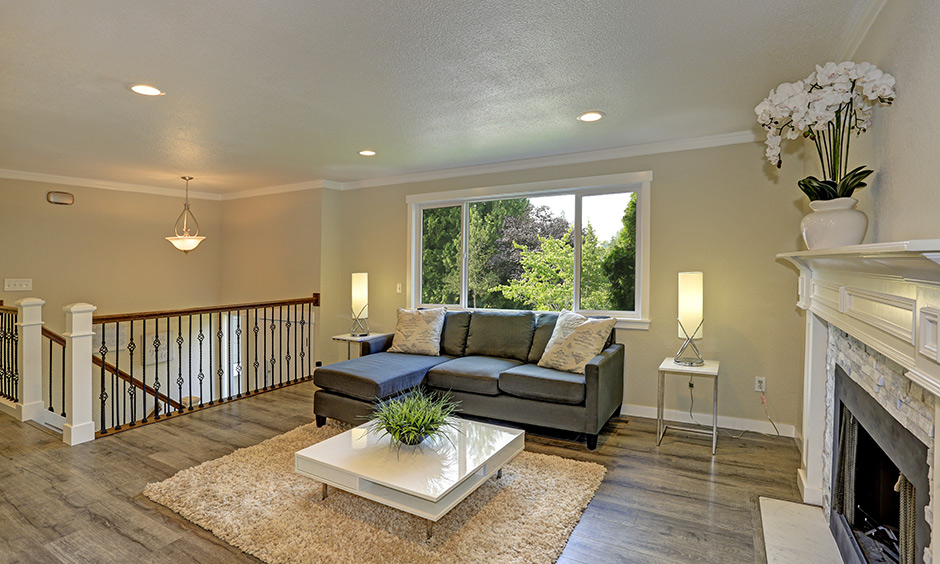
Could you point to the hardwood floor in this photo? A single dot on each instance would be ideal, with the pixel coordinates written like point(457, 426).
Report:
point(671, 504)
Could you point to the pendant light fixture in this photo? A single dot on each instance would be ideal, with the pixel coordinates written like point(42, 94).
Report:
point(186, 241)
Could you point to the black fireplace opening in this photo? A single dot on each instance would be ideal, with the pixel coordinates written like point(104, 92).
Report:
point(877, 510)
point(879, 482)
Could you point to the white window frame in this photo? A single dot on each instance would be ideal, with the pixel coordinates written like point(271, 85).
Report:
point(638, 182)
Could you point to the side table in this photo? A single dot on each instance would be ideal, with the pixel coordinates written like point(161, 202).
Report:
point(708, 370)
point(350, 339)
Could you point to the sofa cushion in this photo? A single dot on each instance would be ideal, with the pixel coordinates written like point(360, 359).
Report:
point(575, 341)
point(418, 331)
point(544, 326)
point(454, 335)
point(504, 334)
point(544, 384)
point(475, 374)
point(376, 376)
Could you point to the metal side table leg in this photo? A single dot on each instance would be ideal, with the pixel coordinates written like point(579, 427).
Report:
point(715, 419)
point(660, 427)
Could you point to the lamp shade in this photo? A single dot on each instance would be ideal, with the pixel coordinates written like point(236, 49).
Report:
point(360, 294)
point(690, 303)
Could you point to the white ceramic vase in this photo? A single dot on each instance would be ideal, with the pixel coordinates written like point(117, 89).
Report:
point(834, 223)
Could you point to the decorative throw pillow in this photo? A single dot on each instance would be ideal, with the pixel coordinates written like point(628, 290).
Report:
point(418, 331)
point(575, 341)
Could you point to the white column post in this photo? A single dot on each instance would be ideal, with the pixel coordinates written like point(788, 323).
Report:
point(79, 426)
point(810, 475)
point(30, 406)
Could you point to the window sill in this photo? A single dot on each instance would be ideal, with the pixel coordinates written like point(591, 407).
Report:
point(634, 324)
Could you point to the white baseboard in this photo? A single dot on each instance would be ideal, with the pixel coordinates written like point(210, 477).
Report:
point(725, 422)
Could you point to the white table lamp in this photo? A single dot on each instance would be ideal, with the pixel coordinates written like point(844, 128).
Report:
point(691, 316)
point(360, 304)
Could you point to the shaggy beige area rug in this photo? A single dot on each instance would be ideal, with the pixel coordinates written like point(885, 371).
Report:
point(255, 501)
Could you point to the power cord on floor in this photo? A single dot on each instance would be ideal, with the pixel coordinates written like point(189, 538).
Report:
point(763, 401)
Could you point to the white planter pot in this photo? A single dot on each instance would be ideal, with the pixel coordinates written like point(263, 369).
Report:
point(834, 223)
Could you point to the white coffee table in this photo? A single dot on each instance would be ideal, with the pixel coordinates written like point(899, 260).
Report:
point(427, 481)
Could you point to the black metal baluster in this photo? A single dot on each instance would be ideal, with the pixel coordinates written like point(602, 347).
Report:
point(62, 371)
point(238, 348)
point(280, 344)
point(169, 393)
point(143, 366)
point(16, 361)
point(299, 363)
point(156, 369)
point(103, 396)
point(303, 349)
point(273, 362)
point(179, 361)
point(221, 372)
point(132, 392)
point(264, 352)
point(51, 405)
point(202, 375)
point(211, 393)
point(255, 364)
point(116, 383)
point(287, 344)
point(228, 347)
point(189, 347)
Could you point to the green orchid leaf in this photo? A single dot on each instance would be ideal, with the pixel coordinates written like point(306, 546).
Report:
point(816, 189)
point(853, 181)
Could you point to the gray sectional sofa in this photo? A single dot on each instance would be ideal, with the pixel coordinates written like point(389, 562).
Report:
point(488, 361)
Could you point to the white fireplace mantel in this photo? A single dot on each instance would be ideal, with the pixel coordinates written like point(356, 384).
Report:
point(886, 295)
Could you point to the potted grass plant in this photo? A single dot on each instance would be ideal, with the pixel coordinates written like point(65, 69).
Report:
point(413, 417)
point(828, 107)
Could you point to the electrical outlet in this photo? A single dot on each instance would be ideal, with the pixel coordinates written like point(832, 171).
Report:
point(17, 284)
point(760, 384)
point(398, 288)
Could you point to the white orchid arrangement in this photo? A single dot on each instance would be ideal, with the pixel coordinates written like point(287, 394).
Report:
point(827, 107)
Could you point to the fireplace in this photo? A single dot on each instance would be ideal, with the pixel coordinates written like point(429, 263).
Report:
point(878, 469)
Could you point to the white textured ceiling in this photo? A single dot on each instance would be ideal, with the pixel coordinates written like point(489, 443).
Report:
point(264, 94)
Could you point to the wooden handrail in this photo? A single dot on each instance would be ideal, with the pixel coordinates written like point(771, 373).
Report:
point(53, 336)
point(117, 318)
point(134, 381)
point(12, 309)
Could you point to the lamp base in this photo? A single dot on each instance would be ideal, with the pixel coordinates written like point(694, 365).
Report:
point(689, 361)
point(360, 327)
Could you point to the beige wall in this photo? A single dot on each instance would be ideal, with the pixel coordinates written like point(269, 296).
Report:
point(107, 249)
point(903, 200)
point(718, 210)
point(271, 247)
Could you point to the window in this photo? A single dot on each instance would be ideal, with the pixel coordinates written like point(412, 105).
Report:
point(578, 244)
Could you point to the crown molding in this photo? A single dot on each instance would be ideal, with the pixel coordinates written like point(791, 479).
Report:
point(735, 138)
point(104, 184)
point(860, 29)
point(284, 188)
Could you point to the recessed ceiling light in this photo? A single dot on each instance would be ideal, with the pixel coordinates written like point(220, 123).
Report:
point(590, 116)
point(367, 153)
point(147, 90)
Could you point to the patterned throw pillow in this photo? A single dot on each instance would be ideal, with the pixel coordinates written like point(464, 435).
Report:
point(575, 341)
point(418, 331)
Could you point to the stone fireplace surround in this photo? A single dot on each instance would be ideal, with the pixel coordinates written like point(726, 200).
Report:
point(874, 310)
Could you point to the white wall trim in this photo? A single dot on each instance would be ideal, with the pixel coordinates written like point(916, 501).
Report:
point(105, 184)
point(283, 189)
point(860, 30)
point(736, 138)
point(706, 142)
point(737, 423)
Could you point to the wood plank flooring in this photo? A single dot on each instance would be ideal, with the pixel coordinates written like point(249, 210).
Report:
point(670, 504)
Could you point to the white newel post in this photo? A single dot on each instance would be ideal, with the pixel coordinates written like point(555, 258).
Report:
point(30, 406)
point(79, 426)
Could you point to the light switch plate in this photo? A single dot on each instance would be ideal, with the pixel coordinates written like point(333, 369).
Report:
point(17, 284)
